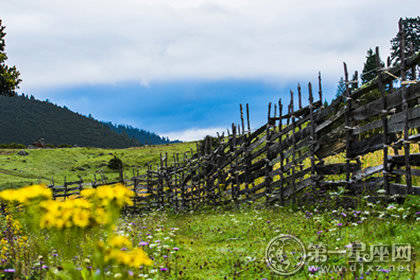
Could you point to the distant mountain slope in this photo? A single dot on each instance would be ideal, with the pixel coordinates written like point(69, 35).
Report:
point(141, 135)
point(25, 120)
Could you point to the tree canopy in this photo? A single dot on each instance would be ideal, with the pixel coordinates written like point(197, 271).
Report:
point(9, 75)
point(411, 27)
point(370, 70)
point(341, 87)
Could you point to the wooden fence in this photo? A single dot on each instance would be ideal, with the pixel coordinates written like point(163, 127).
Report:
point(312, 147)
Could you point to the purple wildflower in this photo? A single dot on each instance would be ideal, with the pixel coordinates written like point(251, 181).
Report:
point(313, 269)
point(340, 224)
point(344, 214)
point(130, 273)
point(163, 269)
point(165, 256)
point(418, 213)
point(11, 270)
point(143, 243)
point(319, 232)
point(176, 249)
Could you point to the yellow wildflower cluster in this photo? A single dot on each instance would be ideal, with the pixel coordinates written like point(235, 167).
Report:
point(86, 211)
point(121, 251)
point(18, 243)
point(13, 225)
point(68, 213)
point(26, 194)
point(105, 195)
point(4, 248)
point(120, 241)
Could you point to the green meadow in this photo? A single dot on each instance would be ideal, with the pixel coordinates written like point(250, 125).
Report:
point(43, 165)
point(211, 242)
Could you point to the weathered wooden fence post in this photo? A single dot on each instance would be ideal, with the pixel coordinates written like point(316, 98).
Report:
point(235, 183)
point(167, 178)
point(347, 126)
point(405, 109)
point(300, 125)
point(175, 184)
point(65, 187)
point(80, 185)
point(292, 114)
point(384, 119)
point(160, 183)
point(242, 118)
point(281, 154)
point(184, 163)
point(247, 119)
point(268, 167)
point(312, 138)
point(135, 199)
point(320, 89)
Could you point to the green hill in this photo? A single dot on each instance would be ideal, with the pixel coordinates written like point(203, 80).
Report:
point(44, 164)
point(25, 120)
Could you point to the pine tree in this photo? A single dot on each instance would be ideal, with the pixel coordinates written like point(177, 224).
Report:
point(341, 88)
point(411, 28)
point(369, 68)
point(9, 76)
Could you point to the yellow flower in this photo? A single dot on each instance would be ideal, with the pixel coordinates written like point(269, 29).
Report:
point(81, 218)
point(104, 195)
point(47, 221)
point(138, 257)
point(101, 217)
point(120, 241)
point(26, 194)
point(88, 193)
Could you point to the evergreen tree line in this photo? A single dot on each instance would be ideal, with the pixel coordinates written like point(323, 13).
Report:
point(411, 28)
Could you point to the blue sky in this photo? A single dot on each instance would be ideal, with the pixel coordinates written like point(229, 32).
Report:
point(173, 107)
point(181, 68)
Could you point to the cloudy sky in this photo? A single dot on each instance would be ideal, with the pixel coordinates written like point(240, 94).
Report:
point(182, 67)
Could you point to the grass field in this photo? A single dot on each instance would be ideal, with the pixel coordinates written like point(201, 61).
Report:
point(215, 243)
point(43, 164)
point(231, 244)
point(210, 243)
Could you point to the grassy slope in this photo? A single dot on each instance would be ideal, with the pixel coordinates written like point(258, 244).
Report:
point(16, 170)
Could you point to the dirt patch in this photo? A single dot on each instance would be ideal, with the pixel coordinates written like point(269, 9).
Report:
point(7, 152)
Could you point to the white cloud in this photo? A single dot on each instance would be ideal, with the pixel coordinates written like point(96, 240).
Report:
point(193, 134)
point(57, 43)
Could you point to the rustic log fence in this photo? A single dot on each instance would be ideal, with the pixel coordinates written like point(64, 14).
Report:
point(310, 148)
